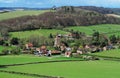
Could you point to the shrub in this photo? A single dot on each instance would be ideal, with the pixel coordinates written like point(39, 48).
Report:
point(14, 41)
point(5, 51)
point(74, 49)
point(2, 42)
point(16, 51)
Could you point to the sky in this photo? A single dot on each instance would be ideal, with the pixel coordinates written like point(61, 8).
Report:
point(50, 3)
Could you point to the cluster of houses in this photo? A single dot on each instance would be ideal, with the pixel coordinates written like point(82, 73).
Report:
point(67, 50)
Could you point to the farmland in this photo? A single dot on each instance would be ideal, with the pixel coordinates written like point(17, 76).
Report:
point(110, 53)
point(108, 29)
point(14, 14)
point(40, 32)
point(17, 59)
point(108, 69)
point(73, 69)
point(7, 75)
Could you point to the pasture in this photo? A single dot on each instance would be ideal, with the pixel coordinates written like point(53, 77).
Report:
point(14, 14)
point(108, 29)
point(39, 32)
point(47, 66)
point(78, 69)
point(115, 53)
point(18, 59)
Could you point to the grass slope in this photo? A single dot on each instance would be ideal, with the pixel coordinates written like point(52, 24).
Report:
point(14, 14)
point(109, 29)
point(6, 75)
point(109, 53)
point(78, 69)
point(40, 32)
point(84, 69)
point(17, 59)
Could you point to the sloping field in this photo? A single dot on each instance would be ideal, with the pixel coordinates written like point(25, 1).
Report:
point(40, 32)
point(33, 66)
point(108, 29)
point(21, 59)
point(81, 69)
point(110, 53)
point(7, 75)
point(14, 14)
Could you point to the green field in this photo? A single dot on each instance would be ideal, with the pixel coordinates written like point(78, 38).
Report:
point(17, 59)
point(5, 47)
point(40, 32)
point(108, 29)
point(81, 69)
point(14, 14)
point(7, 75)
point(73, 69)
point(109, 53)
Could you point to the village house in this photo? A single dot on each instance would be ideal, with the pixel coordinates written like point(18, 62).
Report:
point(29, 46)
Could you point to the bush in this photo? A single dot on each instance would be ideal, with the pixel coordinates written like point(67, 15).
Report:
point(14, 41)
point(74, 49)
point(16, 51)
point(5, 51)
point(2, 42)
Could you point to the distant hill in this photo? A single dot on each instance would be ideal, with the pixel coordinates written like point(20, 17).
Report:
point(25, 8)
point(8, 9)
point(101, 9)
point(63, 17)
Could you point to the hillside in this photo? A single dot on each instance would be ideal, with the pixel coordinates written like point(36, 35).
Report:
point(64, 17)
point(40, 32)
point(108, 29)
point(13, 14)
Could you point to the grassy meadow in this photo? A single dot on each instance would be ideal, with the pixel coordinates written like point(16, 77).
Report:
point(108, 29)
point(109, 53)
point(7, 75)
point(13, 14)
point(80, 69)
point(40, 32)
point(17, 59)
point(73, 69)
